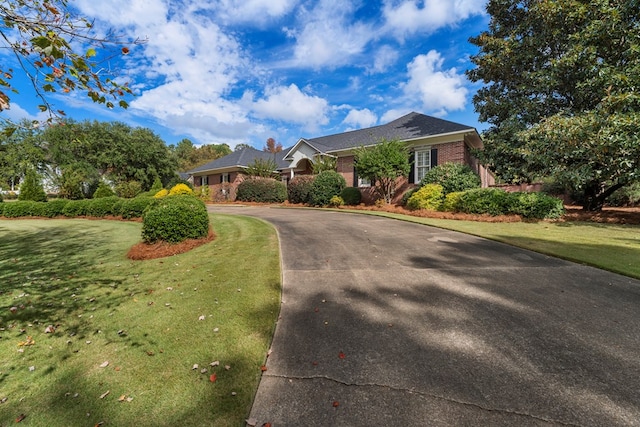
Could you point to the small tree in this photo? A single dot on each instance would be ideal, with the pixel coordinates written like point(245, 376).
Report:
point(324, 163)
point(31, 188)
point(264, 168)
point(452, 177)
point(383, 164)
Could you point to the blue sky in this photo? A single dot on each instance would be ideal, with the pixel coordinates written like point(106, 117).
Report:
point(241, 71)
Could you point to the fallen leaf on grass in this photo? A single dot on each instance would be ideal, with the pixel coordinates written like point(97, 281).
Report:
point(20, 417)
point(216, 363)
point(49, 329)
point(202, 317)
point(105, 394)
point(104, 364)
point(213, 378)
point(29, 341)
point(194, 367)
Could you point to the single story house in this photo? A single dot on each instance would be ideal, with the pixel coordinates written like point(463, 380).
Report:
point(431, 141)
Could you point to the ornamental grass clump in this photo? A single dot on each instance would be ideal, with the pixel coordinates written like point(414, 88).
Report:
point(174, 219)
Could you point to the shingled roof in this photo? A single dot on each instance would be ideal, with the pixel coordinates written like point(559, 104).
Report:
point(411, 126)
point(241, 158)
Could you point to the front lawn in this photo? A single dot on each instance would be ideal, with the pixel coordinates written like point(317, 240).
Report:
point(90, 337)
point(612, 247)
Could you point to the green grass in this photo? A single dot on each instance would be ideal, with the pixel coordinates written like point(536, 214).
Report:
point(140, 316)
point(610, 247)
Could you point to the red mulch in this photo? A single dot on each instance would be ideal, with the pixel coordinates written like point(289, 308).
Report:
point(144, 251)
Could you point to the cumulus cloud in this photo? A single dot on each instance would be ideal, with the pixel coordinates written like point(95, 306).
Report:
point(384, 58)
point(327, 35)
point(360, 118)
point(412, 16)
point(290, 104)
point(254, 11)
point(437, 90)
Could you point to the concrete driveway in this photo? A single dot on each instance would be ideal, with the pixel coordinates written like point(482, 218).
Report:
point(388, 323)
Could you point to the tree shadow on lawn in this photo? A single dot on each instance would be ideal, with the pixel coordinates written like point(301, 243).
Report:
point(45, 279)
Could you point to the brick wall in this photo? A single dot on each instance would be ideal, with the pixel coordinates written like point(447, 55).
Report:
point(453, 152)
point(345, 168)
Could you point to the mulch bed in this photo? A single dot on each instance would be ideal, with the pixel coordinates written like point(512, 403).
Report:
point(144, 251)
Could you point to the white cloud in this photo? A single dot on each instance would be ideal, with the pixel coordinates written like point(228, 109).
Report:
point(326, 35)
point(384, 58)
point(290, 104)
point(393, 114)
point(254, 11)
point(361, 118)
point(437, 90)
point(426, 16)
point(15, 113)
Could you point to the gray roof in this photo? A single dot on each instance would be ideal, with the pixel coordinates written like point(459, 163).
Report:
point(241, 158)
point(411, 126)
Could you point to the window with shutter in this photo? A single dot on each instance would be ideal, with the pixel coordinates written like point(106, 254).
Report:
point(422, 163)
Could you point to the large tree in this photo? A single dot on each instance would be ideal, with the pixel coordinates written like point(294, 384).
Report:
point(59, 51)
point(189, 156)
point(561, 92)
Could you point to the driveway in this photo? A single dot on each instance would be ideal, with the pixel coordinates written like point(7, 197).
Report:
point(389, 323)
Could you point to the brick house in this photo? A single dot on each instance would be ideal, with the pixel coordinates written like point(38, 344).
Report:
point(431, 141)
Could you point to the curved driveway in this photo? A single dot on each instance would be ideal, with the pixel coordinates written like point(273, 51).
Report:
point(388, 323)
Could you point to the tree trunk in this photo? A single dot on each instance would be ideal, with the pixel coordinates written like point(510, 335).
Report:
point(595, 194)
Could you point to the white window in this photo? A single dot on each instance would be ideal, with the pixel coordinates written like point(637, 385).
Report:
point(205, 180)
point(225, 177)
point(364, 182)
point(422, 163)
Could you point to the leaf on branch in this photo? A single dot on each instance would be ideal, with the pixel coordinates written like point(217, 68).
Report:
point(42, 108)
point(90, 53)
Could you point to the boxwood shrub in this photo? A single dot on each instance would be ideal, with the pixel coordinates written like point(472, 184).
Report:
point(132, 208)
point(490, 201)
point(326, 185)
point(265, 190)
point(20, 208)
point(537, 205)
point(102, 206)
point(453, 177)
point(75, 208)
point(299, 188)
point(351, 196)
point(54, 208)
point(174, 219)
point(429, 197)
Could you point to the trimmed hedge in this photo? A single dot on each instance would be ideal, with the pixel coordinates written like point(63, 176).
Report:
point(489, 201)
point(264, 190)
point(76, 208)
point(20, 208)
point(326, 185)
point(132, 208)
point(351, 196)
point(54, 208)
point(102, 206)
point(537, 205)
point(493, 201)
point(299, 188)
point(428, 197)
point(174, 219)
point(453, 177)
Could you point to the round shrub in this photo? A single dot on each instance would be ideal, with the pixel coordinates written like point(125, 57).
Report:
point(336, 201)
point(31, 188)
point(326, 185)
point(428, 197)
point(132, 208)
point(264, 190)
point(103, 190)
point(490, 201)
point(54, 208)
point(19, 209)
point(160, 194)
point(351, 196)
point(452, 202)
point(75, 208)
point(299, 188)
point(102, 206)
point(452, 177)
point(174, 219)
point(537, 205)
point(407, 194)
point(180, 189)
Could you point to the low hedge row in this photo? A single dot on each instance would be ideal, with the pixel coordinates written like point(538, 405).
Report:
point(489, 201)
point(264, 190)
point(106, 206)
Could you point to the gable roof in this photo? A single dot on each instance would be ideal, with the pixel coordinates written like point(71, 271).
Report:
point(409, 127)
point(241, 158)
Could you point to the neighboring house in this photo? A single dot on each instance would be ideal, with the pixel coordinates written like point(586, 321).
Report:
point(431, 141)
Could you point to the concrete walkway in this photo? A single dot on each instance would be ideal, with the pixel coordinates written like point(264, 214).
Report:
point(388, 323)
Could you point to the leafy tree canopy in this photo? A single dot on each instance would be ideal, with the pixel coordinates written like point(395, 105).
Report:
point(58, 51)
point(561, 92)
point(383, 164)
point(189, 156)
